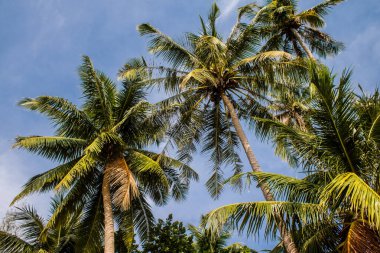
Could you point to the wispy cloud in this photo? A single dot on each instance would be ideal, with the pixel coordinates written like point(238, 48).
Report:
point(227, 7)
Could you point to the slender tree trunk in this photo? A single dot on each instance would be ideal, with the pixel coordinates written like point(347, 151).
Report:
point(286, 236)
point(109, 229)
point(303, 45)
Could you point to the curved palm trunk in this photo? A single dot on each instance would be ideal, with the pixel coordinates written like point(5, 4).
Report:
point(303, 45)
point(286, 236)
point(109, 229)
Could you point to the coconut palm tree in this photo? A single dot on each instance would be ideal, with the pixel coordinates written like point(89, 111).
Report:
point(103, 163)
point(29, 226)
point(212, 80)
point(210, 241)
point(285, 28)
point(335, 208)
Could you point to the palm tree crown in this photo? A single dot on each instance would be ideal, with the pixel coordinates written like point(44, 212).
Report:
point(284, 28)
point(204, 72)
point(103, 164)
point(211, 78)
point(29, 227)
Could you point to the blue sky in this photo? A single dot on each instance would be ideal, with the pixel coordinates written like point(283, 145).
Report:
point(42, 42)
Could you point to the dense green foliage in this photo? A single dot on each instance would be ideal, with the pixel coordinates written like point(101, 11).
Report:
point(121, 247)
point(173, 236)
point(168, 237)
point(211, 241)
point(207, 240)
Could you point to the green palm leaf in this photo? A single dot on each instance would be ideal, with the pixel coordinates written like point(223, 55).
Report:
point(57, 148)
point(69, 120)
point(167, 47)
point(11, 243)
point(45, 181)
point(99, 92)
point(250, 217)
point(362, 199)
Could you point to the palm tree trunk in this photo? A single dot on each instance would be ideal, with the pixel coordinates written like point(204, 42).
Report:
point(303, 45)
point(109, 229)
point(286, 236)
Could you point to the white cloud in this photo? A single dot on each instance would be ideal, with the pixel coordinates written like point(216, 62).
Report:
point(227, 7)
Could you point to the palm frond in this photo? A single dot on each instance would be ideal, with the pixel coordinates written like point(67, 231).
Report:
point(99, 92)
point(321, 43)
point(56, 148)
point(200, 75)
point(45, 181)
point(284, 187)
point(265, 57)
point(164, 46)
point(360, 238)
point(81, 168)
point(140, 107)
point(31, 224)
point(214, 144)
point(250, 217)
point(69, 120)
point(165, 161)
point(321, 9)
point(374, 131)
point(336, 118)
point(130, 95)
point(82, 190)
point(91, 226)
point(322, 237)
point(11, 243)
point(143, 217)
point(361, 198)
point(212, 17)
point(122, 179)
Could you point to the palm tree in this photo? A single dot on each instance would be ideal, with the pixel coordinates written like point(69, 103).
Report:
point(29, 227)
point(211, 80)
point(210, 241)
point(284, 28)
point(104, 165)
point(335, 208)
